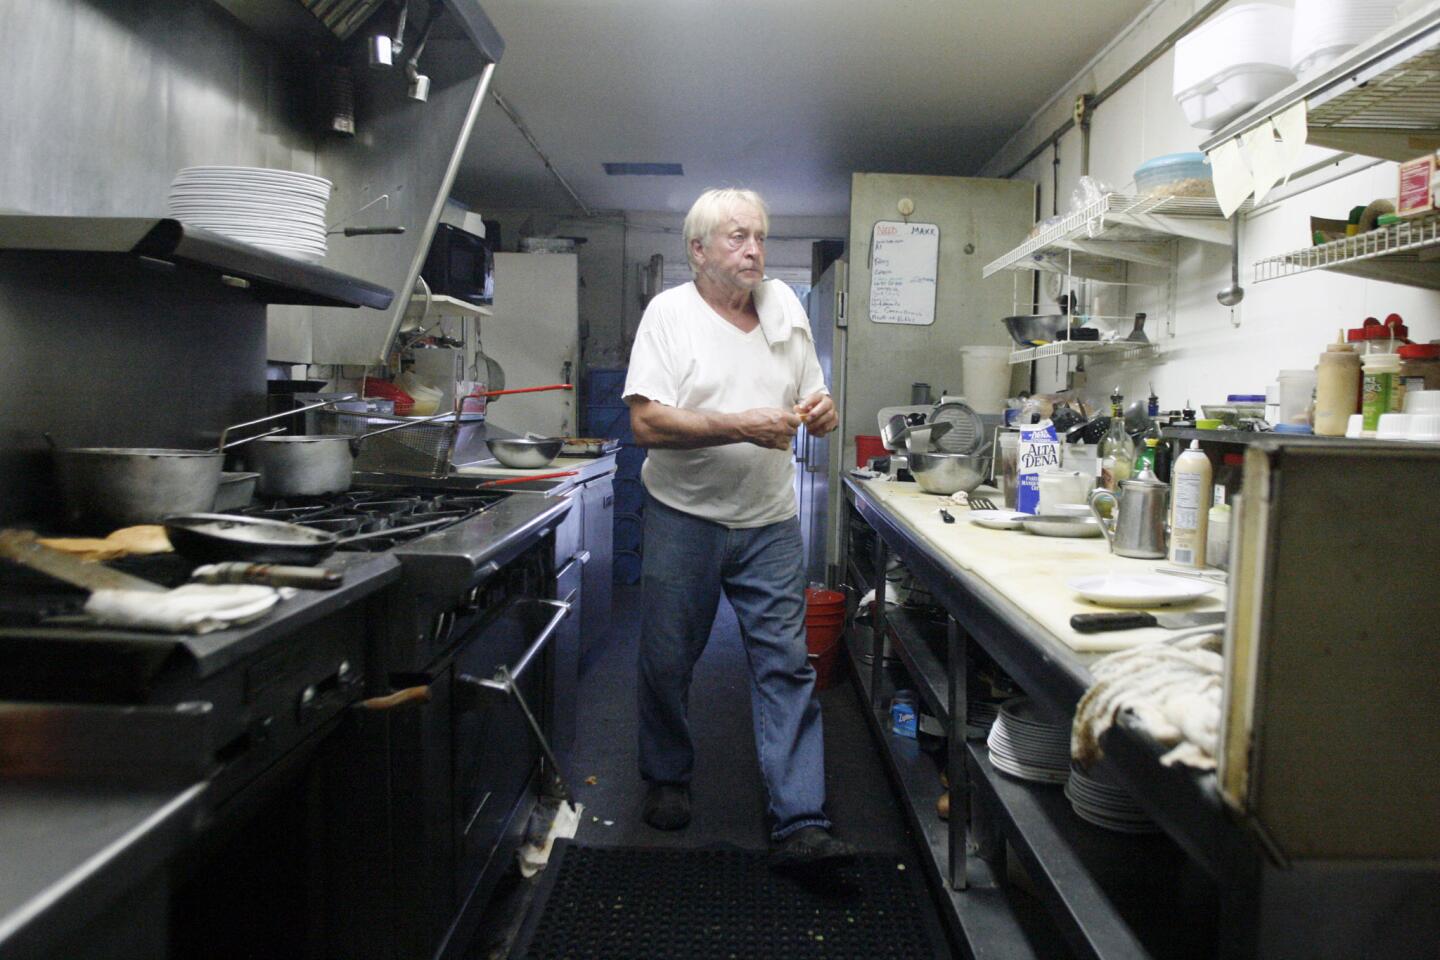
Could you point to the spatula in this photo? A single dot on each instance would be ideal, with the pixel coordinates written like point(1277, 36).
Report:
point(1100, 622)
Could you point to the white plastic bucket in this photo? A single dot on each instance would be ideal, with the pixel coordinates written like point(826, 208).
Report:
point(986, 373)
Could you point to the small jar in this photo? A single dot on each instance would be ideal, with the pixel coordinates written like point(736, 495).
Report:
point(1217, 537)
point(1420, 366)
point(1381, 370)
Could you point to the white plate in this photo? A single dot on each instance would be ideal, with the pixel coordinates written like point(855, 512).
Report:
point(1133, 590)
point(998, 519)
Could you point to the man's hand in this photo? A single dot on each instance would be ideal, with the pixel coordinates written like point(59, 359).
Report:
point(769, 427)
point(818, 413)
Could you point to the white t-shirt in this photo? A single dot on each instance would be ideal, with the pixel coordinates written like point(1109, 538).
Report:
point(688, 356)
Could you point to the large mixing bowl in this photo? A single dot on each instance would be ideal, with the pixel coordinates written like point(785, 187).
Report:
point(1025, 330)
point(527, 453)
point(947, 473)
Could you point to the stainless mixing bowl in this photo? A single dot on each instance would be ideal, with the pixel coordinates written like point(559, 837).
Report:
point(527, 453)
point(947, 473)
point(1025, 329)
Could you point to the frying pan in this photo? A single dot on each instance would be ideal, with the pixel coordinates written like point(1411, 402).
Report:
point(222, 537)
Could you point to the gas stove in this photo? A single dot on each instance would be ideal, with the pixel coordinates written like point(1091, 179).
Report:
point(387, 518)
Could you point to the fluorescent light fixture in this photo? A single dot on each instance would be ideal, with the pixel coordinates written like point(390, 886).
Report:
point(644, 170)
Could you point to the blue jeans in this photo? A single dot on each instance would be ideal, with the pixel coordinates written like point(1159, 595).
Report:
point(687, 562)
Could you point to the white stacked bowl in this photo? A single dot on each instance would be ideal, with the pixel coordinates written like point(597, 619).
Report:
point(1422, 401)
point(1325, 30)
point(277, 210)
point(1424, 427)
point(1393, 426)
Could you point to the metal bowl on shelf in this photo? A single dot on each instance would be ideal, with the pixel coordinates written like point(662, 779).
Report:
point(947, 473)
point(1027, 330)
point(527, 453)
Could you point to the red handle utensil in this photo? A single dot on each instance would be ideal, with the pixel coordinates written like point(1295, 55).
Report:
point(553, 386)
point(538, 476)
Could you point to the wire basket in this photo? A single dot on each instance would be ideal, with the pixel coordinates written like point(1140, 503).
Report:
point(425, 449)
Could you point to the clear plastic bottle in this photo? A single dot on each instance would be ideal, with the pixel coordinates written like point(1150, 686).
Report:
point(1117, 450)
point(1189, 507)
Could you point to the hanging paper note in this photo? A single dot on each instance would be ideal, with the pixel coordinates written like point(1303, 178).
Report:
point(1262, 152)
point(1232, 176)
point(1292, 126)
point(904, 258)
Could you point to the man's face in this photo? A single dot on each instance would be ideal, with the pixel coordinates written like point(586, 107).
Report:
point(734, 255)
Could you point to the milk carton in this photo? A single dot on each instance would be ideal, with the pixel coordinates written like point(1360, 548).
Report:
point(1039, 453)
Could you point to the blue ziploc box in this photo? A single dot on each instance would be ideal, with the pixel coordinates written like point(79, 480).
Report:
point(903, 721)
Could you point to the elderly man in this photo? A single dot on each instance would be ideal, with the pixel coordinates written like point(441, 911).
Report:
point(722, 375)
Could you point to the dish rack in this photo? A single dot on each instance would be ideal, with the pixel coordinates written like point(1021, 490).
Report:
point(425, 449)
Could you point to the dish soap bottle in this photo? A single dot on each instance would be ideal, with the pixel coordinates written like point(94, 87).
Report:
point(1117, 450)
point(1190, 495)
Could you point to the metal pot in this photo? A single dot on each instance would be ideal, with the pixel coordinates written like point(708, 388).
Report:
point(129, 485)
point(312, 466)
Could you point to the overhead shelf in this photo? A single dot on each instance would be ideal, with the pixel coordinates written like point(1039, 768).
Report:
point(127, 242)
point(1381, 100)
point(1407, 252)
point(1113, 350)
point(1097, 241)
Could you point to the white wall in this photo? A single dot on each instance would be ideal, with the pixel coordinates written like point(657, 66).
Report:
point(1282, 323)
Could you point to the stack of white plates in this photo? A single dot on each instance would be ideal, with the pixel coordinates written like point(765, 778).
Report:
point(278, 210)
point(1024, 744)
point(1326, 29)
point(1099, 800)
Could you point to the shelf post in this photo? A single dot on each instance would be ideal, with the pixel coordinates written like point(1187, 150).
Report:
point(956, 774)
point(877, 625)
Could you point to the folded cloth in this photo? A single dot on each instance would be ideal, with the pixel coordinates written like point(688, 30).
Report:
point(1172, 687)
point(192, 608)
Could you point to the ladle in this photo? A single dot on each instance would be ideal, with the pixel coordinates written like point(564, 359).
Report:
point(1233, 294)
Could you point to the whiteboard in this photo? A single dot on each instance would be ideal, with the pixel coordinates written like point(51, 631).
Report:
point(904, 258)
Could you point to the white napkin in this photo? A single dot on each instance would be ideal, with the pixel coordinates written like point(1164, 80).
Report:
point(192, 608)
point(780, 315)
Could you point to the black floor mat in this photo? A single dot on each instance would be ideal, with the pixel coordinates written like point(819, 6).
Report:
point(628, 903)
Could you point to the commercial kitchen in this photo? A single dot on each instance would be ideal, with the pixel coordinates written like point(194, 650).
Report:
point(324, 516)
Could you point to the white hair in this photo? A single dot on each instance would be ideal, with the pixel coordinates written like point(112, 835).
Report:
point(713, 210)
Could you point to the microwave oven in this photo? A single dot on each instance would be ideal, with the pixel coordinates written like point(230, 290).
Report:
point(460, 265)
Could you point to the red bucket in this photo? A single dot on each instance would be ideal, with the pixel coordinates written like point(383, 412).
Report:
point(867, 447)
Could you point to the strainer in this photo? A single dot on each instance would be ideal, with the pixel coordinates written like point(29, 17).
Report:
point(966, 429)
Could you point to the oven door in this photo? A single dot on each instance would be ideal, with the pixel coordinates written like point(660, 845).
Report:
point(495, 752)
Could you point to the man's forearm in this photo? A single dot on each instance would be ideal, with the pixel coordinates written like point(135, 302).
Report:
point(670, 428)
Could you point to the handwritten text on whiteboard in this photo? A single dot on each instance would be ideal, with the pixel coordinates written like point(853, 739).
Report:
point(903, 262)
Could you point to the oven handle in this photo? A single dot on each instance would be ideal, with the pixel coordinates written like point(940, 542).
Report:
point(504, 681)
point(400, 698)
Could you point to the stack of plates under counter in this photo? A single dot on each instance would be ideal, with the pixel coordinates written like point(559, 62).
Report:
point(277, 210)
point(1027, 745)
point(1098, 799)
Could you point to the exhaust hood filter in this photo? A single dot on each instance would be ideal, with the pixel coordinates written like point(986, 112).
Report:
point(343, 17)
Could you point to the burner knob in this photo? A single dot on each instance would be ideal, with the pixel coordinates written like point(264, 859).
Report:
point(308, 697)
point(344, 671)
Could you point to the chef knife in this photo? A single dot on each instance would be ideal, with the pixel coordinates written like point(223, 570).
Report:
point(1099, 622)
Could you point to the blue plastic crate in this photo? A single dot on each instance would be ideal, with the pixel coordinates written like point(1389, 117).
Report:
point(609, 422)
point(629, 532)
point(628, 461)
point(604, 386)
point(626, 568)
point(629, 495)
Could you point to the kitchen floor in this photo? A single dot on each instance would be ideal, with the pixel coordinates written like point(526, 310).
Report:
point(728, 799)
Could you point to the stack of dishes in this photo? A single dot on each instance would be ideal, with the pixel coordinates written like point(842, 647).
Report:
point(1103, 802)
point(1024, 744)
point(278, 210)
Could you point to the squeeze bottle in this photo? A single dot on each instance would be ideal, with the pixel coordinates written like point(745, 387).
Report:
point(1189, 507)
point(1337, 386)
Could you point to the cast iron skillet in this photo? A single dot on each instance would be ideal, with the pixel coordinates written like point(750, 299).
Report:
point(222, 537)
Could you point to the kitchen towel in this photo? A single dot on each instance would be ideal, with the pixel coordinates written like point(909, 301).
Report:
point(1172, 687)
point(192, 608)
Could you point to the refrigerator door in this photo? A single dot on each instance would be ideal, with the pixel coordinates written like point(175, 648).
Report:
point(812, 468)
point(535, 336)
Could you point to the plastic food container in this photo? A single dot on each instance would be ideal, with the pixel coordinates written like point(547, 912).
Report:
point(1176, 175)
point(1232, 62)
point(1325, 30)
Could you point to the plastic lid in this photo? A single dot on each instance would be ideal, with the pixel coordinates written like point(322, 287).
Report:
point(1245, 398)
point(1420, 351)
point(1233, 459)
point(1355, 334)
point(1383, 332)
point(1293, 428)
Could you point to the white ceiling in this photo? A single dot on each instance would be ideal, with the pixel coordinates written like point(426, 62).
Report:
point(785, 96)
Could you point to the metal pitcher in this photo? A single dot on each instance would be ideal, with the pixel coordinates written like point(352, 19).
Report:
point(1137, 524)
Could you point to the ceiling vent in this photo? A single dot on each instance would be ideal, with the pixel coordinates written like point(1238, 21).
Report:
point(644, 170)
